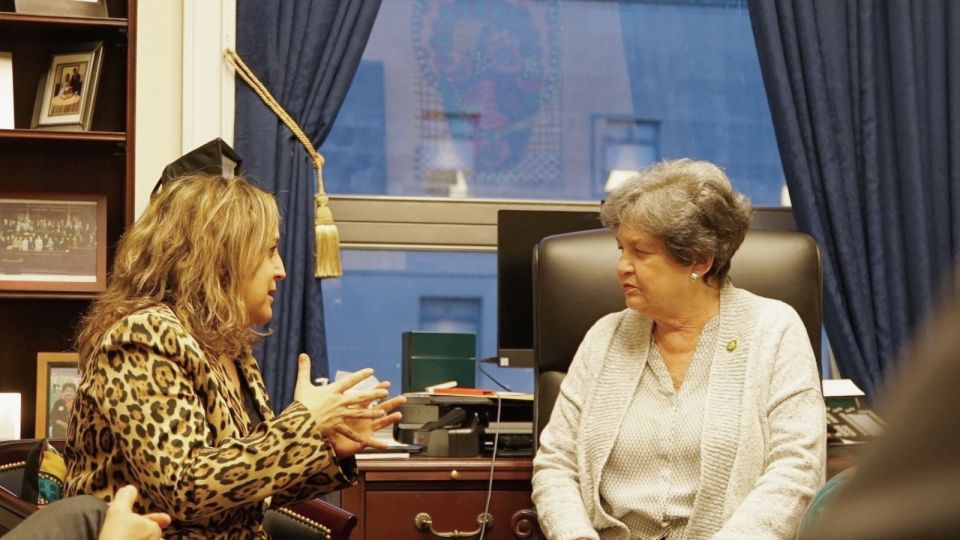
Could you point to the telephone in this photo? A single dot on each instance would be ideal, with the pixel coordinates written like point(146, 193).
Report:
point(849, 422)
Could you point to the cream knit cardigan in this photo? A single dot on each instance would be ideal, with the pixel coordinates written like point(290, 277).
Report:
point(764, 428)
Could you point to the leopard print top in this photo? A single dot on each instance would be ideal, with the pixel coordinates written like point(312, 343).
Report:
point(152, 410)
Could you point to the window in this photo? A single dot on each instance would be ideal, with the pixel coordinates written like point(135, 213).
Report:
point(384, 293)
point(452, 315)
point(621, 147)
point(461, 108)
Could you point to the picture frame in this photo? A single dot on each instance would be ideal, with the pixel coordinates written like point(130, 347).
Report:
point(6, 90)
point(53, 242)
point(67, 92)
point(65, 8)
point(57, 374)
point(10, 416)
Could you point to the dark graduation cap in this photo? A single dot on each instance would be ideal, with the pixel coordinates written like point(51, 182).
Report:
point(214, 157)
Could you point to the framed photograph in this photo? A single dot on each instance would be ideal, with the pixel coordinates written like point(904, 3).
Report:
point(63, 8)
point(6, 90)
point(68, 91)
point(58, 375)
point(53, 242)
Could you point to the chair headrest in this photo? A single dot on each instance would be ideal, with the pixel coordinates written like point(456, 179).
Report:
point(575, 283)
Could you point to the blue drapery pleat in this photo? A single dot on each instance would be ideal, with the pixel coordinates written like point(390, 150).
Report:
point(306, 54)
point(865, 97)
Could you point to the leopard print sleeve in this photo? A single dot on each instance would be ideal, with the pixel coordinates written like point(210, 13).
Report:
point(175, 436)
point(318, 484)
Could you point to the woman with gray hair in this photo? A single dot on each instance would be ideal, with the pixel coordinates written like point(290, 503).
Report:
point(697, 411)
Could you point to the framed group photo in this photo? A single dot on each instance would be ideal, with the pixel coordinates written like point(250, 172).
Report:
point(57, 378)
point(68, 91)
point(53, 242)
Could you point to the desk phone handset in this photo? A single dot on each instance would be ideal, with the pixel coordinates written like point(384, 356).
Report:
point(853, 423)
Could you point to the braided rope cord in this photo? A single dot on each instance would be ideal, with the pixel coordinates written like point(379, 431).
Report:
point(327, 236)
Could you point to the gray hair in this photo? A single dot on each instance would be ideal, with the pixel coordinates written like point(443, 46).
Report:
point(688, 205)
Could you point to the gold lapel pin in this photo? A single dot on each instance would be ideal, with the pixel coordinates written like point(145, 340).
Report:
point(732, 345)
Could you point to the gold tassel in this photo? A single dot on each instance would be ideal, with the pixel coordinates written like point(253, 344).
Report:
point(326, 233)
point(327, 241)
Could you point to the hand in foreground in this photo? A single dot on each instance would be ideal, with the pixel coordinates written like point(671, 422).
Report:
point(122, 523)
point(328, 404)
point(359, 433)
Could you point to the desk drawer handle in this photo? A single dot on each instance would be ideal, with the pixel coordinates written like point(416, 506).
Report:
point(424, 522)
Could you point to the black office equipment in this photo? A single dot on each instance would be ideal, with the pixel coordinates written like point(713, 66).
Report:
point(518, 232)
point(450, 426)
point(456, 434)
point(434, 357)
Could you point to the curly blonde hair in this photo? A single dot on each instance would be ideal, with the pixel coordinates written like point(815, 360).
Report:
point(195, 247)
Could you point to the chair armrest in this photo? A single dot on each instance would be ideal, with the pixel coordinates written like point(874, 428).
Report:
point(312, 518)
point(11, 478)
point(15, 505)
point(525, 525)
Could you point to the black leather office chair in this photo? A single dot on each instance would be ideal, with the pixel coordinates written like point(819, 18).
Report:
point(575, 284)
point(312, 519)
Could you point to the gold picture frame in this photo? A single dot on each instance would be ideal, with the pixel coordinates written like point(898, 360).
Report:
point(64, 8)
point(56, 373)
point(67, 92)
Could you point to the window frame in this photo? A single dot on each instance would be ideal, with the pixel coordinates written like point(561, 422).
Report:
point(429, 224)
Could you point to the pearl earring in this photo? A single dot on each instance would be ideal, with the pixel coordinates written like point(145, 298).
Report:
point(693, 276)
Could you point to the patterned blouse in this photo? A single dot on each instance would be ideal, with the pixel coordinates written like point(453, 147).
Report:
point(653, 474)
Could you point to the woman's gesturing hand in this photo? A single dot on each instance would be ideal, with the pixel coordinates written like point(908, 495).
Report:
point(331, 407)
point(359, 431)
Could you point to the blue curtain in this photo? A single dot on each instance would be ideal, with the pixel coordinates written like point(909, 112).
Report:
point(865, 97)
point(306, 54)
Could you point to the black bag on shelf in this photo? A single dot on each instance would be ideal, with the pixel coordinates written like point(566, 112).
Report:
point(214, 157)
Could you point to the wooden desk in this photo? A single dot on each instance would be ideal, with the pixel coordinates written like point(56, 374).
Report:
point(452, 491)
point(842, 457)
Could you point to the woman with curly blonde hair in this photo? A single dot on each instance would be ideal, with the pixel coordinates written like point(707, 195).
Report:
point(171, 398)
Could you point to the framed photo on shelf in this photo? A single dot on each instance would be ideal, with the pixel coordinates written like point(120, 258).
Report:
point(53, 242)
point(64, 8)
point(6, 90)
point(68, 91)
point(58, 375)
point(9, 416)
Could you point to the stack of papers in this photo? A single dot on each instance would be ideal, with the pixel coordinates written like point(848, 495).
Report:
point(840, 388)
point(450, 388)
point(395, 449)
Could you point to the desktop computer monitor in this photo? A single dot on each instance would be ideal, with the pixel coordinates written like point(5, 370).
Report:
point(518, 232)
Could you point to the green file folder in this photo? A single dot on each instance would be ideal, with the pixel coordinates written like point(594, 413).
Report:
point(435, 357)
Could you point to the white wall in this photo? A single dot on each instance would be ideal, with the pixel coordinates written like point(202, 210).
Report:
point(184, 88)
point(159, 91)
